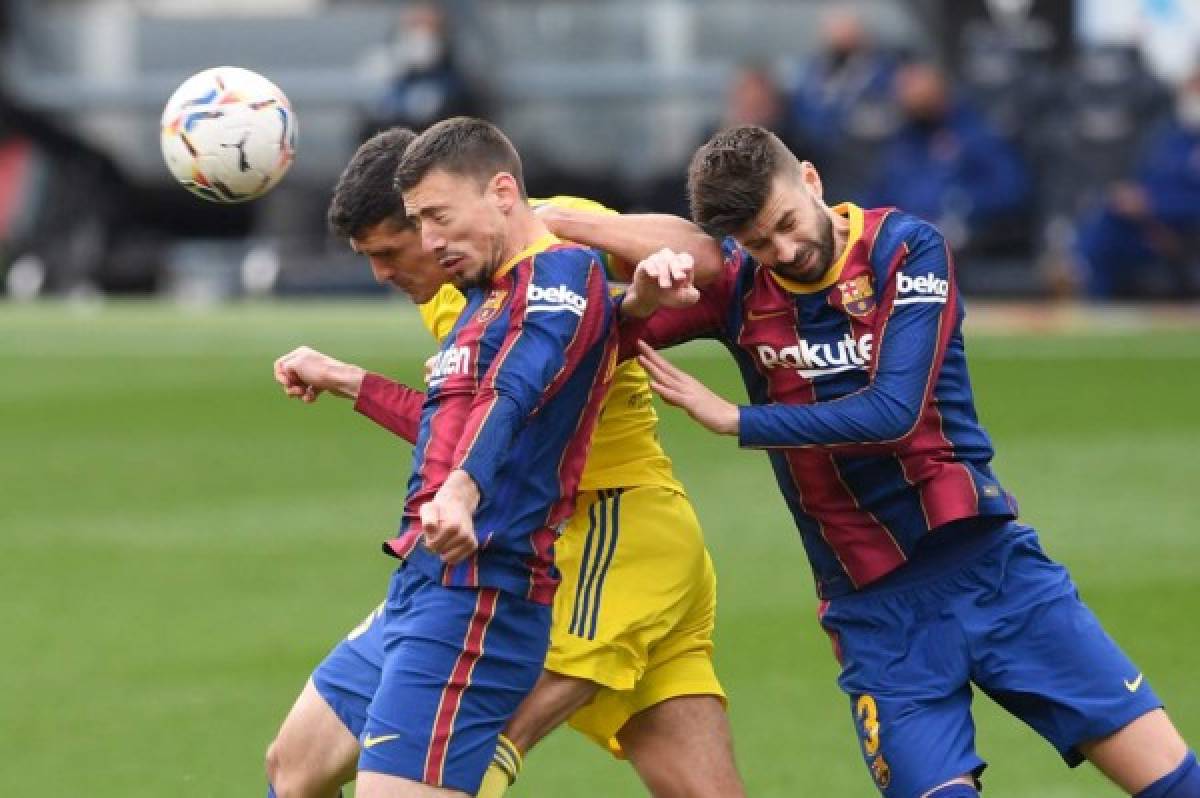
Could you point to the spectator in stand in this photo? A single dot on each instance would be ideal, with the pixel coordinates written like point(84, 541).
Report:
point(753, 97)
point(842, 102)
point(946, 165)
point(848, 72)
point(1153, 216)
point(425, 81)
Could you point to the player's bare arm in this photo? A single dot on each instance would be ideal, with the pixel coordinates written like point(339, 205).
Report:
point(633, 237)
point(304, 373)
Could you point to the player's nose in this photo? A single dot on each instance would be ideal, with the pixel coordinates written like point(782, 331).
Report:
point(381, 270)
point(785, 249)
point(431, 241)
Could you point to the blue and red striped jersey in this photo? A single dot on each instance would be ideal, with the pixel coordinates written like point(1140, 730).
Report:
point(512, 398)
point(859, 392)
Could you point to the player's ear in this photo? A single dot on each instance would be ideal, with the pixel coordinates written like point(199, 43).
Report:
point(812, 180)
point(504, 189)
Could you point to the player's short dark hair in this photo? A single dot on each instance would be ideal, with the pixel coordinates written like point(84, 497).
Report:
point(365, 194)
point(730, 177)
point(462, 145)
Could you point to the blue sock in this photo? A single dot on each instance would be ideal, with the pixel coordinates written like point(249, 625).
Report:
point(270, 791)
point(956, 790)
point(1182, 782)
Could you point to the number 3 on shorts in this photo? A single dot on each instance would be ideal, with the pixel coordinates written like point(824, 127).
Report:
point(867, 715)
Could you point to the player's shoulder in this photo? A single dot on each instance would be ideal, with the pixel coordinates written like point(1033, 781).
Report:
point(566, 255)
point(439, 313)
point(899, 233)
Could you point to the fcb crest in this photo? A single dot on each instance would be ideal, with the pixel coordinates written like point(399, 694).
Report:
point(858, 297)
point(491, 306)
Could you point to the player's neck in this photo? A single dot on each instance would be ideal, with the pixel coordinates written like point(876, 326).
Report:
point(841, 236)
point(524, 229)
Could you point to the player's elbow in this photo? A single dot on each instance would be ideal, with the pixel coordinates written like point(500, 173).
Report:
point(898, 420)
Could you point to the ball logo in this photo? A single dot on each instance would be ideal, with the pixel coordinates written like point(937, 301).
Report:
point(928, 288)
point(815, 359)
point(550, 300)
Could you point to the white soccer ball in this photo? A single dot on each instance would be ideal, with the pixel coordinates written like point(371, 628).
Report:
point(228, 134)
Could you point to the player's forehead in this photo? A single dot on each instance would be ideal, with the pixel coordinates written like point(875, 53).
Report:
point(782, 201)
point(440, 189)
point(384, 236)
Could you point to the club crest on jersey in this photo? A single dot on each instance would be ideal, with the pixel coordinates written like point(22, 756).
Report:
point(491, 306)
point(858, 297)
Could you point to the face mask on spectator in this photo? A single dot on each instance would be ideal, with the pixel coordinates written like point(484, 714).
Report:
point(419, 49)
point(1187, 108)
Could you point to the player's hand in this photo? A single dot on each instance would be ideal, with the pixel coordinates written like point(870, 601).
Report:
point(304, 373)
point(663, 280)
point(680, 389)
point(447, 520)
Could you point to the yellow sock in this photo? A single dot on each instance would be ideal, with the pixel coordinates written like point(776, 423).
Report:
point(505, 767)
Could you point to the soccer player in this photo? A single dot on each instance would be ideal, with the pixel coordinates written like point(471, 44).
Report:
point(846, 326)
point(630, 659)
point(501, 435)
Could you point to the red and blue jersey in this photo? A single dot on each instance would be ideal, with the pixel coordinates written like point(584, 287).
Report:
point(859, 392)
point(512, 398)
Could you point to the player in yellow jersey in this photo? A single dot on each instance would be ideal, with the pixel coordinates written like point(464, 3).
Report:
point(630, 661)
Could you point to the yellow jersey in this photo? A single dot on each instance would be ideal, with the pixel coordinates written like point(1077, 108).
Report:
point(625, 448)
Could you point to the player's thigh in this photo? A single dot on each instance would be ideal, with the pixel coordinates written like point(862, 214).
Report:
point(628, 557)
point(314, 753)
point(554, 698)
point(458, 662)
point(1043, 655)
point(683, 747)
point(905, 672)
point(381, 785)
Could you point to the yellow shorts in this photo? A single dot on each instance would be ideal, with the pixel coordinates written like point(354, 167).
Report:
point(636, 607)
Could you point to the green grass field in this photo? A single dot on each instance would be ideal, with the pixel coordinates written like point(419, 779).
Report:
point(180, 545)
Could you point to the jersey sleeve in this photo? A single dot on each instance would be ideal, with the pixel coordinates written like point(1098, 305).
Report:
point(440, 313)
point(560, 310)
point(919, 312)
point(705, 319)
point(389, 404)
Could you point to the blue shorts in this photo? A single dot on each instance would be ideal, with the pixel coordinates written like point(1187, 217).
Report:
point(429, 679)
point(989, 608)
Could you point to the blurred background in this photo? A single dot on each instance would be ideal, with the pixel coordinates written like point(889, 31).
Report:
point(1057, 142)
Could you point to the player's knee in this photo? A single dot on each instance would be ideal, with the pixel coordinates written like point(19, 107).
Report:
point(1182, 782)
point(286, 774)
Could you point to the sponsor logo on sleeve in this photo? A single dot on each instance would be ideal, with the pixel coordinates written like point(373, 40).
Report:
point(448, 363)
point(559, 299)
point(928, 288)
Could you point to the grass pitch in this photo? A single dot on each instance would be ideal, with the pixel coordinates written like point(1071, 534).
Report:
point(181, 545)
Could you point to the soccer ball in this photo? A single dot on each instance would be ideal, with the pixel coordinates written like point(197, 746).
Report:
point(228, 134)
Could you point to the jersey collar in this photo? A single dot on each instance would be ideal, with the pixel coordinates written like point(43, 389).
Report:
point(541, 243)
point(855, 215)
